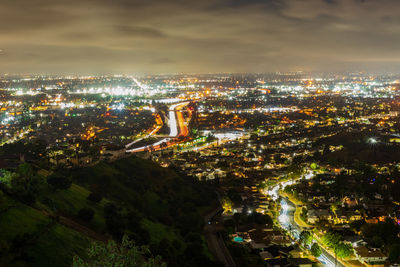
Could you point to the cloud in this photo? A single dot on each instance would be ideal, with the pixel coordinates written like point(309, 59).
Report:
point(140, 31)
point(136, 36)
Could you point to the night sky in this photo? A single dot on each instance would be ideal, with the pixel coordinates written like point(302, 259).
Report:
point(168, 36)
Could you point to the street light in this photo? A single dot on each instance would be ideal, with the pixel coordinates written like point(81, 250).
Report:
point(372, 141)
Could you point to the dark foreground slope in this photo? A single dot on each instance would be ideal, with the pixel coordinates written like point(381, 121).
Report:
point(155, 206)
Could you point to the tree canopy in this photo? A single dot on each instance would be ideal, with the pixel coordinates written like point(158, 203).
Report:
point(112, 254)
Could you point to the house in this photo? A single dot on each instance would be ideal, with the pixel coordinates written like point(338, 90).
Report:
point(261, 238)
point(296, 252)
point(347, 216)
point(300, 262)
point(349, 202)
point(278, 262)
point(315, 215)
point(370, 256)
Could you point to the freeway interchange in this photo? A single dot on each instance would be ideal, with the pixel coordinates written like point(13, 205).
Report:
point(177, 127)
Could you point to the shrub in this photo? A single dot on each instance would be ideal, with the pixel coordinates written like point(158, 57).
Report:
point(59, 182)
point(86, 214)
point(94, 197)
point(316, 250)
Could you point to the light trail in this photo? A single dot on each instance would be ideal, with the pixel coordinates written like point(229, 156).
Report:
point(326, 261)
point(173, 129)
point(172, 124)
point(274, 192)
point(143, 87)
point(144, 137)
point(184, 131)
point(153, 132)
point(287, 222)
point(173, 120)
point(152, 146)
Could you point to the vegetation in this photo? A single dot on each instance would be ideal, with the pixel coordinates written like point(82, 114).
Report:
point(245, 218)
point(47, 220)
point(304, 214)
point(59, 182)
point(94, 197)
point(124, 255)
point(383, 234)
point(86, 214)
point(243, 256)
point(334, 241)
point(316, 250)
point(227, 204)
point(306, 238)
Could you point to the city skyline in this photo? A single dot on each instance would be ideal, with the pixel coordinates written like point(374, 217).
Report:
point(152, 37)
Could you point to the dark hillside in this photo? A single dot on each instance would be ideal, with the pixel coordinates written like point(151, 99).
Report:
point(46, 218)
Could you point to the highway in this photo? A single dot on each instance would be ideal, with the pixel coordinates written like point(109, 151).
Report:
point(153, 132)
point(173, 112)
point(172, 121)
point(183, 129)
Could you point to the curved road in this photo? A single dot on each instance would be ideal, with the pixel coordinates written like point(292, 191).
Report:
point(214, 239)
point(175, 118)
point(286, 220)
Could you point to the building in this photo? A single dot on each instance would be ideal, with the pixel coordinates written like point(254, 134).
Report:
point(373, 257)
point(315, 215)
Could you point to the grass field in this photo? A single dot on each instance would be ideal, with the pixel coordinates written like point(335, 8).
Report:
point(157, 206)
point(69, 202)
point(58, 246)
point(159, 231)
point(42, 241)
point(21, 220)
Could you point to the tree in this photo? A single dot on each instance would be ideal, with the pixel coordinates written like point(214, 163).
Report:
point(25, 170)
point(331, 239)
point(86, 214)
point(305, 238)
point(314, 166)
point(334, 209)
point(394, 252)
point(304, 214)
point(7, 177)
point(356, 225)
point(124, 255)
point(26, 188)
point(334, 241)
point(59, 182)
point(343, 250)
point(316, 250)
point(94, 197)
point(227, 204)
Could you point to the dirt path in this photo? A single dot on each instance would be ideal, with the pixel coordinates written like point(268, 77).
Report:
point(77, 227)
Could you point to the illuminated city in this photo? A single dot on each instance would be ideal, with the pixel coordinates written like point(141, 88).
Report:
point(200, 133)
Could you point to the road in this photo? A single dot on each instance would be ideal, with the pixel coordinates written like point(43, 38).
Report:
point(286, 220)
point(215, 240)
point(174, 112)
point(153, 132)
point(176, 109)
point(183, 129)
